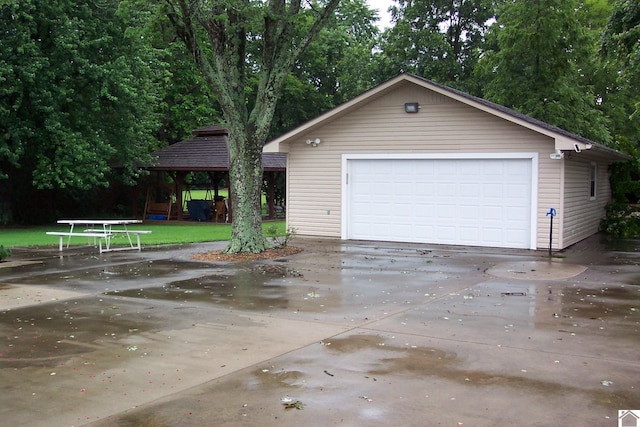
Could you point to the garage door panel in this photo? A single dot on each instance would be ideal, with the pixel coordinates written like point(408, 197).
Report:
point(493, 189)
point(469, 189)
point(516, 189)
point(485, 202)
point(468, 235)
point(444, 232)
point(515, 212)
point(468, 212)
point(490, 213)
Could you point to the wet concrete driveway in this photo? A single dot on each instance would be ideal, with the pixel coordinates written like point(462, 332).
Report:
point(346, 334)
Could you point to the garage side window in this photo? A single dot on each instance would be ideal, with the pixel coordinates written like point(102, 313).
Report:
point(593, 173)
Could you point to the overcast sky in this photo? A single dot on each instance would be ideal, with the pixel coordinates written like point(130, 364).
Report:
point(382, 6)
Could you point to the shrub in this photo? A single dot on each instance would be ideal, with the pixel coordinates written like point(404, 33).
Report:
point(279, 241)
point(621, 221)
point(4, 253)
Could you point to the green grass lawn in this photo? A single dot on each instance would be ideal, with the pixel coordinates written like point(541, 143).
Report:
point(161, 233)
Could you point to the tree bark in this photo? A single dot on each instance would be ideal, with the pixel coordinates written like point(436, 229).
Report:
point(245, 172)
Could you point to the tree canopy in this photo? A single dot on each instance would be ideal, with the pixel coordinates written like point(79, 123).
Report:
point(89, 84)
point(336, 67)
point(76, 95)
point(536, 66)
point(621, 43)
point(233, 44)
point(437, 39)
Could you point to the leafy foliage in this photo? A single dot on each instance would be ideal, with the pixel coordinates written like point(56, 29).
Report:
point(4, 253)
point(621, 221)
point(74, 96)
point(278, 239)
point(622, 34)
point(536, 66)
point(336, 67)
point(245, 51)
point(185, 102)
point(620, 47)
point(437, 39)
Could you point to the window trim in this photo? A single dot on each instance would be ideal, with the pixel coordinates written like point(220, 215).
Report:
point(593, 181)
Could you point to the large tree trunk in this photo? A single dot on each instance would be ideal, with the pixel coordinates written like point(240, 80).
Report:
point(245, 175)
point(230, 26)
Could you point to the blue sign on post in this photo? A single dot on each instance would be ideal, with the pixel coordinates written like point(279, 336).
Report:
point(551, 213)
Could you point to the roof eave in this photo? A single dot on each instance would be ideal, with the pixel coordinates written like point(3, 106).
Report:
point(563, 140)
point(333, 113)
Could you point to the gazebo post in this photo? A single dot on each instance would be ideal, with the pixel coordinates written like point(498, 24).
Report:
point(180, 177)
point(271, 183)
point(229, 204)
point(216, 186)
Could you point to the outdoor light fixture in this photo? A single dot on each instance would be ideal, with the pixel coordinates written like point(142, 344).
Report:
point(558, 155)
point(313, 142)
point(411, 107)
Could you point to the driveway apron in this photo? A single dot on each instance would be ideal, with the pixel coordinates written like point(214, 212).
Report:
point(343, 333)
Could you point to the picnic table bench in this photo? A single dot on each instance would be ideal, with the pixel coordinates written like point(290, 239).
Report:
point(129, 233)
point(96, 236)
point(98, 230)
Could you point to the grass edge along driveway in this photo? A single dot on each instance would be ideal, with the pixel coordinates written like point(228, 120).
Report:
point(161, 233)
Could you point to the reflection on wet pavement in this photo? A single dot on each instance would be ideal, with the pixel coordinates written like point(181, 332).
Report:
point(105, 273)
point(602, 303)
point(245, 290)
point(358, 334)
point(362, 379)
point(52, 333)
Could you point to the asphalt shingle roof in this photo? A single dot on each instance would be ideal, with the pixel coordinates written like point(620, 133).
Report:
point(207, 150)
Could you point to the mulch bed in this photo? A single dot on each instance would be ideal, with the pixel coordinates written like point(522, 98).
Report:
point(247, 257)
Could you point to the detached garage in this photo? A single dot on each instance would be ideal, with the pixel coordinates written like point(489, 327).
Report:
point(414, 161)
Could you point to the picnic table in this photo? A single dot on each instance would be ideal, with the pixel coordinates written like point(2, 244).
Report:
point(99, 230)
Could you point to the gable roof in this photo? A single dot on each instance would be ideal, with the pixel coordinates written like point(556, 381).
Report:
point(207, 150)
point(564, 140)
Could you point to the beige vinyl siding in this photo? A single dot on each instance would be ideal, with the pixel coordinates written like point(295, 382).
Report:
point(583, 215)
point(442, 125)
point(549, 196)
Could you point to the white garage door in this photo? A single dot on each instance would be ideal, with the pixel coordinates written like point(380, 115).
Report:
point(478, 202)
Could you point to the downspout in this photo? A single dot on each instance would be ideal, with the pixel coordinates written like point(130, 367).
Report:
point(560, 234)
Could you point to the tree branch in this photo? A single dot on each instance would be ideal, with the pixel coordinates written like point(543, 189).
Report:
point(280, 53)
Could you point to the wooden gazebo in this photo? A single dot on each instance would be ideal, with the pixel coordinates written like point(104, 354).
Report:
point(207, 151)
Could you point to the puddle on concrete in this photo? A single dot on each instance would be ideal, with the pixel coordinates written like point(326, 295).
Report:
point(601, 250)
point(404, 264)
point(432, 362)
point(243, 290)
point(276, 379)
point(269, 287)
point(15, 264)
point(602, 303)
point(623, 245)
point(49, 334)
point(421, 362)
point(101, 274)
point(353, 381)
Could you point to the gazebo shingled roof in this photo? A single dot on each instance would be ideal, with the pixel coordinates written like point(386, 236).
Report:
point(207, 150)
